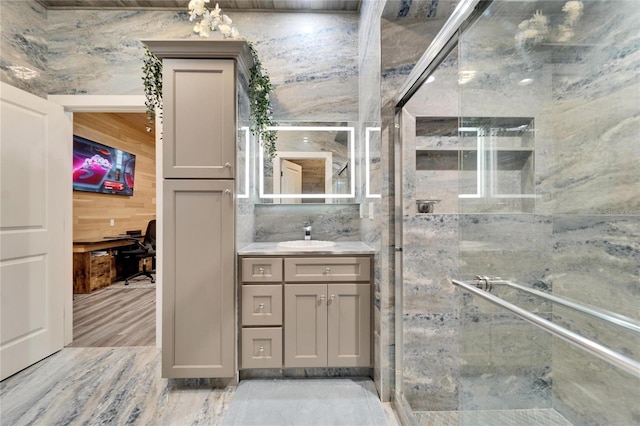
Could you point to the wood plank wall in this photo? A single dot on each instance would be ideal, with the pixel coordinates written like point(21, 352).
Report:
point(92, 212)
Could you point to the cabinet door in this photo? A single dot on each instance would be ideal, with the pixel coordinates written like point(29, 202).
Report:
point(305, 329)
point(199, 118)
point(198, 252)
point(349, 325)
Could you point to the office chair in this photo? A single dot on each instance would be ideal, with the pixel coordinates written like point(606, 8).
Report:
point(146, 249)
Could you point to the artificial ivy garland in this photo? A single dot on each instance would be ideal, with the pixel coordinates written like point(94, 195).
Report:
point(259, 82)
point(260, 116)
point(152, 78)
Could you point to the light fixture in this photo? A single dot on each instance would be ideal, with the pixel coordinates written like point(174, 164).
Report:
point(430, 79)
point(525, 82)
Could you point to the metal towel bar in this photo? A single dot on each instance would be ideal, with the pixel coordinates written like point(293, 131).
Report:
point(625, 363)
point(487, 283)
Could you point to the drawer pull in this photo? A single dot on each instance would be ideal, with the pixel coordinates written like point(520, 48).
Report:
point(327, 269)
point(261, 270)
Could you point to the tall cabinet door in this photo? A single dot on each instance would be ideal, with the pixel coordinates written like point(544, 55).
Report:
point(199, 118)
point(305, 332)
point(198, 281)
point(349, 330)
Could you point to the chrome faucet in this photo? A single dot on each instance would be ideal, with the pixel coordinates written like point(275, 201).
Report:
point(307, 231)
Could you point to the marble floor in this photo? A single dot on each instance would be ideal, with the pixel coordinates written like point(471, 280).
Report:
point(112, 386)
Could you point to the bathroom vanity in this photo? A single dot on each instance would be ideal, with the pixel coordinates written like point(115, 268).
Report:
point(303, 308)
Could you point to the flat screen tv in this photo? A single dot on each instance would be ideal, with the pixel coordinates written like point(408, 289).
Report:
point(100, 168)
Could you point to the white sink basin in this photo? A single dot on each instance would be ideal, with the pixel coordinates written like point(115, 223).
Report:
point(306, 244)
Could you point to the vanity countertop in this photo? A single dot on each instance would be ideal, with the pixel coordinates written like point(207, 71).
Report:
point(273, 249)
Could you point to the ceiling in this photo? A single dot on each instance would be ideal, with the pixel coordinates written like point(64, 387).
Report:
point(258, 5)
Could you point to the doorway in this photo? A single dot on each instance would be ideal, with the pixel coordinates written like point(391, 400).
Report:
point(77, 104)
point(106, 312)
point(300, 173)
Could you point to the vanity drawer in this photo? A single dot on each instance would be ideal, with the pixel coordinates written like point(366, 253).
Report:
point(327, 269)
point(261, 269)
point(262, 347)
point(262, 304)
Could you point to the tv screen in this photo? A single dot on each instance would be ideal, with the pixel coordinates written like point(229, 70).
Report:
point(100, 168)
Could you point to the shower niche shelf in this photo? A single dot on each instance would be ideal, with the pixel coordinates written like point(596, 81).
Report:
point(493, 156)
point(466, 158)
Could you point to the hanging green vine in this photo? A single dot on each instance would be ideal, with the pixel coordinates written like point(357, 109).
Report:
point(259, 90)
point(261, 114)
point(152, 78)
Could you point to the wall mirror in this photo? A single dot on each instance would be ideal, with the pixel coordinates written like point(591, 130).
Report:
point(314, 163)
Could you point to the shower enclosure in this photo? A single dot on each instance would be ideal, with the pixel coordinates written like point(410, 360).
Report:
point(518, 178)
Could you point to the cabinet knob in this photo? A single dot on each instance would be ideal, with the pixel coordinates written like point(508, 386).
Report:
point(261, 349)
point(261, 270)
point(261, 306)
point(227, 192)
point(227, 165)
point(333, 297)
point(327, 270)
point(322, 297)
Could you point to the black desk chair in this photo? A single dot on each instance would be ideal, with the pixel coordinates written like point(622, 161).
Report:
point(146, 249)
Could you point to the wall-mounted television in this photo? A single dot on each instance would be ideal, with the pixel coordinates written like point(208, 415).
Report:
point(100, 168)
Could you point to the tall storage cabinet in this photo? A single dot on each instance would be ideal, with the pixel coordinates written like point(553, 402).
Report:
point(200, 80)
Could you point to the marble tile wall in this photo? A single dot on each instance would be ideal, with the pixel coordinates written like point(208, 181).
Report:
point(596, 261)
point(281, 222)
point(245, 187)
point(24, 46)
point(373, 224)
point(596, 201)
point(312, 58)
point(431, 312)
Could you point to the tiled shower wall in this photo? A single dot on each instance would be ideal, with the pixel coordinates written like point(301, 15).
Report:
point(406, 30)
point(593, 178)
point(580, 238)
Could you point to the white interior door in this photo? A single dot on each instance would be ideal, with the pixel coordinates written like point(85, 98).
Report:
point(290, 180)
point(35, 243)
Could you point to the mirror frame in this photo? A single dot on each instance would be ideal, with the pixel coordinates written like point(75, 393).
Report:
point(247, 153)
point(351, 162)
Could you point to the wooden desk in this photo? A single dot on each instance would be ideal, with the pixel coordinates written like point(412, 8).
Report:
point(92, 272)
point(93, 244)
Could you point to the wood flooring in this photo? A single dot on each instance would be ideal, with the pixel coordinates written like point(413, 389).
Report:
point(114, 317)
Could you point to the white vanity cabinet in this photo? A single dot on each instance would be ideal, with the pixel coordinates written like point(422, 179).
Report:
point(325, 318)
